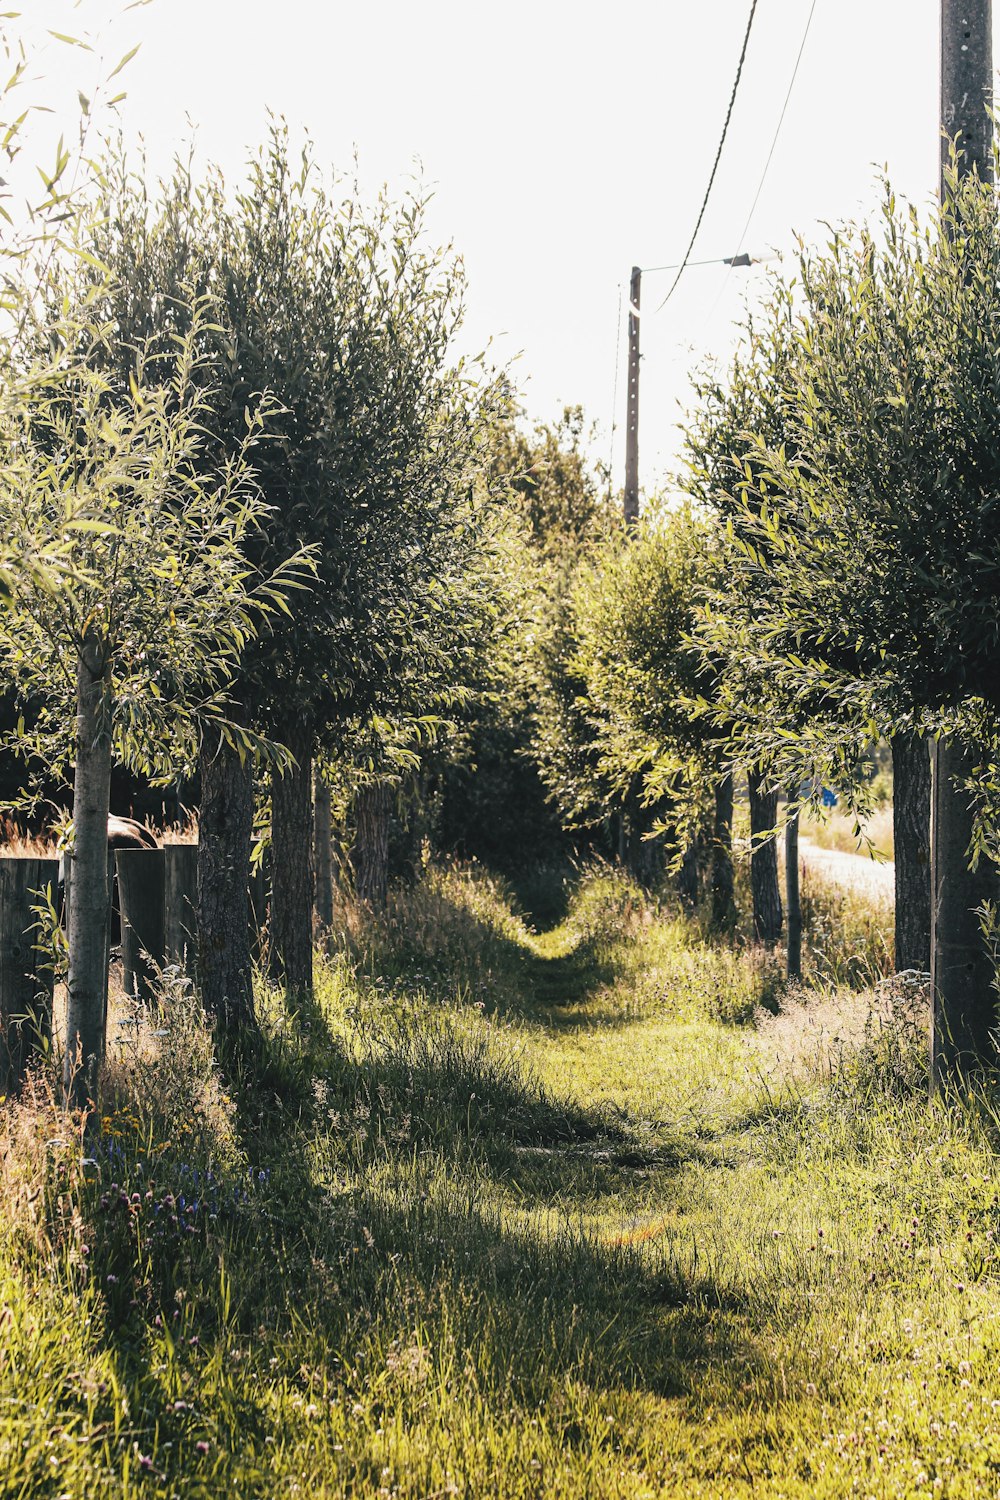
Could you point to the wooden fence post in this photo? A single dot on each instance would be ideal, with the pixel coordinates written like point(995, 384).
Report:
point(180, 917)
point(141, 893)
point(26, 974)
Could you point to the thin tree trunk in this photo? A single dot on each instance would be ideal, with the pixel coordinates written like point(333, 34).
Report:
point(767, 914)
point(88, 913)
point(372, 808)
point(911, 831)
point(962, 967)
point(225, 974)
point(689, 876)
point(323, 855)
point(723, 903)
point(292, 878)
point(793, 899)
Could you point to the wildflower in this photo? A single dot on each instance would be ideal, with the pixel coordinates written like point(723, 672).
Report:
point(201, 1446)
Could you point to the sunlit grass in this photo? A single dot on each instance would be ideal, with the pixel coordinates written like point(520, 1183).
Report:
point(598, 1211)
point(839, 830)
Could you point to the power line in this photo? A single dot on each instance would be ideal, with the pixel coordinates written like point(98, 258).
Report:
point(770, 155)
point(718, 155)
point(781, 121)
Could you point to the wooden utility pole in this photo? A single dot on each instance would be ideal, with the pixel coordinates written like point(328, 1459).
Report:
point(962, 972)
point(967, 85)
point(631, 506)
point(793, 896)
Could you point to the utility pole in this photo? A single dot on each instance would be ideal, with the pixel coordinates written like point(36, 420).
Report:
point(962, 973)
point(631, 506)
point(967, 85)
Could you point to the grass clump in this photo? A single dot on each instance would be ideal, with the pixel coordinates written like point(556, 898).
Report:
point(509, 1212)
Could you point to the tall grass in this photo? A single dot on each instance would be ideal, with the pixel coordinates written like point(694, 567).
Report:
point(842, 832)
point(513, 1214)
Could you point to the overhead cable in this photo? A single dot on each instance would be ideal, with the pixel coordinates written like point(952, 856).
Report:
point(718, 155)
point(737, 260)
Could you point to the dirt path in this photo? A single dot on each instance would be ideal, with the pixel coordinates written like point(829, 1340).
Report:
point(855, 871)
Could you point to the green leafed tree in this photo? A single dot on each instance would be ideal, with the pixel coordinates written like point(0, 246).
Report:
point(639, 741)
point(347, 317)
point(874, 522)
point(132, 655)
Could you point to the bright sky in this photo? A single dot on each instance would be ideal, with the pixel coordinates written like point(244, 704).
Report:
point(565, 142)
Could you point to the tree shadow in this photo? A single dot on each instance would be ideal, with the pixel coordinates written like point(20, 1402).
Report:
point(463, 955)
point(403, 1193)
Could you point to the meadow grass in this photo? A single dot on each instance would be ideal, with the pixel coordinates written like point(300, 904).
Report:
point(596, 1210)
point(839, 830)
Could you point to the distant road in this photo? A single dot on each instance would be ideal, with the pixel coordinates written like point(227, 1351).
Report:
point(875, 876)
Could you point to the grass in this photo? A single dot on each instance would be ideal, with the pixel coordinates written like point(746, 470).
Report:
point(840, 831)
point(597, 1210)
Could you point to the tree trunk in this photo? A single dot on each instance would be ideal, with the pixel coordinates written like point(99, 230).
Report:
point(292, 880)
point(767, 913)
point(963, 971)
point(372, 808)
point(323, 855)
point(911, 832)
point(723, 903)
point(225, 974)
point(88, 911)
point(26, 971)
point(689, 876)
point(793, 900)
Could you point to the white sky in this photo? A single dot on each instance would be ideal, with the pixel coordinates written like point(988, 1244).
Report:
point(565, 142)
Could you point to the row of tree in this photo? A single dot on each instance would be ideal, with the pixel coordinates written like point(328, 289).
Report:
point(246, 484)
point(265, 525)
point(830, 580)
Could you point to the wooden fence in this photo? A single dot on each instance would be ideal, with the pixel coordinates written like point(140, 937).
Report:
point(157, 897)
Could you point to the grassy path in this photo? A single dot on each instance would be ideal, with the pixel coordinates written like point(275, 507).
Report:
point(517, 1215)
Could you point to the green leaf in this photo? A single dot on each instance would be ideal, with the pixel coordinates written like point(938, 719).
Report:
point(72, 41)
point(123, 62)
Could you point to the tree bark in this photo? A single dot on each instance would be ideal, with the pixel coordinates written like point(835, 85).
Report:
point(793, 899)
point(689, 876)
point(963, 971)
point(323, 855)
point(225, 974)
point(911, 832)
point(767, 914)
point(292, 877)
point(723, 902)
point(26, 972)
point(372, 808)
point(88, 911)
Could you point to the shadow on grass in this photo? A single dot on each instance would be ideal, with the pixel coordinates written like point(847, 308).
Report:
point(413, 1193)
point(407, 1217)
point(543, 894)
point(466, 955)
